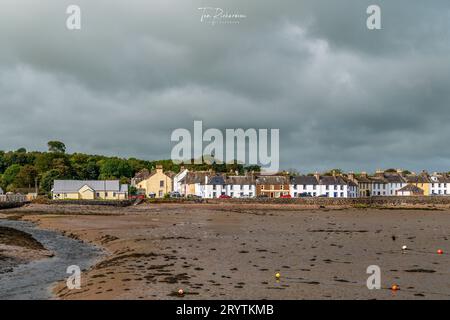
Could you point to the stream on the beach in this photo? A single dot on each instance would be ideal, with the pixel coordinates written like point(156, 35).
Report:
point(34, 280)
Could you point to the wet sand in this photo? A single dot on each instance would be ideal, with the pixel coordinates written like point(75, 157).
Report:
point(225, 251)
point(18, 247)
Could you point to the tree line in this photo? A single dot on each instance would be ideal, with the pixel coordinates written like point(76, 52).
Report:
point(21, 171)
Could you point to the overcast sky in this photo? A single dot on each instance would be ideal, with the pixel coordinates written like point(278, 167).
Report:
point(341, 95)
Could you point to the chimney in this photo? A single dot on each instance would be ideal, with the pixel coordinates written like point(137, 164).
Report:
point(317, 176)
point(364, 174)
point(182, 168)
point(351, 175)
point(159, 168)
point(379, 173)
point(334, 173)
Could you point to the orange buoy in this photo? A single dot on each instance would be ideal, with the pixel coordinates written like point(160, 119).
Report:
point(395, 287)
point(440, 251)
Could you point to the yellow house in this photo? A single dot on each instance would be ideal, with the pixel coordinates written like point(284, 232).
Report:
point(156, 184)
point(421, 181)
point(89, 190)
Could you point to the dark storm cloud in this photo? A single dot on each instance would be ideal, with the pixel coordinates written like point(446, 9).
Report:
point(342, 96)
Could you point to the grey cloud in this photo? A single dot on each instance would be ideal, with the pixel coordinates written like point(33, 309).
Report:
point(341, 95)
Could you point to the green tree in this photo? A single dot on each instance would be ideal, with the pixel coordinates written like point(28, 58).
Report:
point(56, 147)
point(10, 175)
point(47, 180)
point(26, 176)
point(115, 168)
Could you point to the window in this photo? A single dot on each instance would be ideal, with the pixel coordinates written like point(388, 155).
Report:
point(295, 187)
point(314, 187)
point(214, 194)
point(161, 183)
point(281, 187)
point(231, 187)
point(304, 186)
point(231, 194)
point(114, 194)
point(314, 194)
point(342, 187)
point(250, 194)
point(295, 194)
point(335, 188)
point(327, 188)
point(106, 194)
point(262, 187)
point(342, 194)
point(335, 194)
point(97, 194)
point(160, 193)
point(214, 187)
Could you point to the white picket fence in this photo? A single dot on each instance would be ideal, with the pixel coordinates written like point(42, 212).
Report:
point(13, 198)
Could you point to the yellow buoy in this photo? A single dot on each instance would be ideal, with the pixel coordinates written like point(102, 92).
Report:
point(277, 275)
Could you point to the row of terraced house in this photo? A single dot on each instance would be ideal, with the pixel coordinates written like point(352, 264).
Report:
point(207, 184)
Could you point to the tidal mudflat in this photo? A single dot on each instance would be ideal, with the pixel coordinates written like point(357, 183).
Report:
point(226, 251)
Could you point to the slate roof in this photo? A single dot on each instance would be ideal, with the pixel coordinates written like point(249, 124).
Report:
point(68, 186)
point(394, 178)
point(216, 180)
point(412, 188)
point(363, 179)
point(193, 177)
point(304, 180)
point(332, 180)
point(272, 180)
point(422, 178)
point(241, 180)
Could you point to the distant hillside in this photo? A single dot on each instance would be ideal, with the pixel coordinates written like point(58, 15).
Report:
point(22, 170)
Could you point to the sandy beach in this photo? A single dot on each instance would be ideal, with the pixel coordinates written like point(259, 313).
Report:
point(227, 251)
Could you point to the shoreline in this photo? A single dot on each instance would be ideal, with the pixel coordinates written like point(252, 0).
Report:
point(153, 250)
point(19, 248)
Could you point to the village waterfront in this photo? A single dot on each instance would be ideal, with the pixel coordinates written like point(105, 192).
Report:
point(233, 251)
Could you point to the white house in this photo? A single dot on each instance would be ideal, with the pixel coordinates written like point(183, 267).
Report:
point(334, 187)
point(178, 178)
point(394, 182)
point(440, 184)
point(241, 186)
point(326, 186)
point(215, 186)
point(304, 185)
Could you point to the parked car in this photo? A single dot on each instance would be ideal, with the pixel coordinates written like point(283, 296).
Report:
point(224, 196)
point(323, 196)
point(304, 195)
point(193, 196)
point(137, 196)
point(175, 194)
point(286, 196)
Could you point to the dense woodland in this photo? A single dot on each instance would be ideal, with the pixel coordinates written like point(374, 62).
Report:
point(22, 171)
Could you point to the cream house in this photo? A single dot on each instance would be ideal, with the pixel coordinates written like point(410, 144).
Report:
point(156, 184)
point(89, 190)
